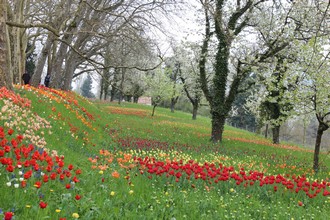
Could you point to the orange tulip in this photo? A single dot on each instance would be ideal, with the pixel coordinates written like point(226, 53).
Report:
point(115, 174)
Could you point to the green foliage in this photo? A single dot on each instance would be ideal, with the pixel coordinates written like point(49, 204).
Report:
point(160, 87)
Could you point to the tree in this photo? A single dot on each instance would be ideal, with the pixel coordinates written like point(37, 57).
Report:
point(160, 88)
point(173, 69)
point(86, 88)
point(313, 95)
point(186, 56)
point(5, 78)
point(135, 85)
point(235, 53)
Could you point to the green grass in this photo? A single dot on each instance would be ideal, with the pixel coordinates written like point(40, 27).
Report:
point(128, 130)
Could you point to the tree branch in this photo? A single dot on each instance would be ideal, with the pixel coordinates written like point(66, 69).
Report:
point(45, 26)
point(235, 16)
point(202, 60)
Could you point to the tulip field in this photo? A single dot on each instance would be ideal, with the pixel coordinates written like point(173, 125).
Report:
point(65, 157)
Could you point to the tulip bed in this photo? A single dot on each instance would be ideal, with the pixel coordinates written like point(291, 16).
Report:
point(63, 157)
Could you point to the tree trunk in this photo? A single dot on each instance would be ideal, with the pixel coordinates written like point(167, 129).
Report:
point(70, 67)
point(172, 105)
point(36, 77)
point(153, 110)
point(173, 102)
point(266, 131)
point(19, 43)
point(67, 80)
point(194, 111)
point(5, 79)
point(101, 89)
point(218, 125)
point(112, 94)
point(276, 134)
point(121, 85)
point(57, 68)
point(304, 134)
point(135, 99)
point(321, 128)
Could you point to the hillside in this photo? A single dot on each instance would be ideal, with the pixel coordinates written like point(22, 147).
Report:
point(64, 157)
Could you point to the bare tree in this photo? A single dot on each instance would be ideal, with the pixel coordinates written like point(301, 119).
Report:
point(74, 33)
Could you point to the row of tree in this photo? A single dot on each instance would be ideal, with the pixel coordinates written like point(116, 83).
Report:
point(74, 37)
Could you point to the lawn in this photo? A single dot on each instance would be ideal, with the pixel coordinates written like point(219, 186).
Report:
point(65, 157)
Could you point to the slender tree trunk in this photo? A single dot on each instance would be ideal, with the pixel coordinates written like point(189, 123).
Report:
point(266, 131)
point(321, 128)
point(304, 134)
point(101, 89)
point(112, 94)
point(105, 90)
point(173, 103)
point(276, 134)
point(121, 85)
point(5, 79)
point(50, 62)
point(135, 99)
point(153, 110)
point(194, 111)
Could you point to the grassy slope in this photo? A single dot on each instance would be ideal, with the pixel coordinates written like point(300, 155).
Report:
point(138, 197)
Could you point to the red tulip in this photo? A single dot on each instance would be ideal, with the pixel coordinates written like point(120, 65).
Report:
point(8, 215)
point(10, 131)
point(42, 205)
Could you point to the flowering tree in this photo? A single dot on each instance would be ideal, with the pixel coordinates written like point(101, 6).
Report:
point(313, 95)
point(186, 56)
point(236, 52)
point(160, 88)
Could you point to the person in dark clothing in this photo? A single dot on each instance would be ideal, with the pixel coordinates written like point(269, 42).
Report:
point(26, 78)
point(47, 80)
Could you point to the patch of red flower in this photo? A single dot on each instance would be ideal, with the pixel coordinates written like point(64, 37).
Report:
point(15, 98)
point(212, 173)
point(14, 156)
